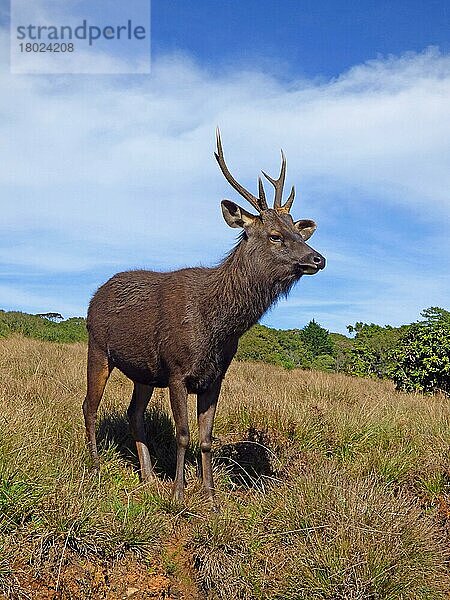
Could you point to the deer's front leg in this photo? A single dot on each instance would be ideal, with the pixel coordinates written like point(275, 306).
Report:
point(206, 409)
point(178, 402)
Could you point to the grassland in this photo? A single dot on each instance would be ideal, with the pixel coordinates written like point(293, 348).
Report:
point(330, 487)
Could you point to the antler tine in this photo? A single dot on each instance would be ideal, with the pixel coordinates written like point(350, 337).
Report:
point(288, 204)
point(262, 194)
point(258, 203)
point(278, 184)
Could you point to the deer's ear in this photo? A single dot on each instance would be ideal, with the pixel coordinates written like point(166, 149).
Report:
point(236, 216)
point(305, 227)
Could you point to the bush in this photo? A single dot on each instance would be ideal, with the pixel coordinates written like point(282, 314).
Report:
point(324, 362)
point(421, 360)
point(371, 352)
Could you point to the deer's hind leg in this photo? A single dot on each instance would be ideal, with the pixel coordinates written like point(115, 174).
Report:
point(139, 401)
point(98, 371)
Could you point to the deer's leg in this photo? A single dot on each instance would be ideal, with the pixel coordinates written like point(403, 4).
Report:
point(139, 401)
point(178, 402)
point(98, 371)
point(206, 408)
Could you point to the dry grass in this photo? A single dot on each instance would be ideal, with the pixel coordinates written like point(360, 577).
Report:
point(330, 487)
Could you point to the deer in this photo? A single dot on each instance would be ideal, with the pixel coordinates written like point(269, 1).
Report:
point(180, 329)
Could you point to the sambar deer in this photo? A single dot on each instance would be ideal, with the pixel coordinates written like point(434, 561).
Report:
point(181, 329)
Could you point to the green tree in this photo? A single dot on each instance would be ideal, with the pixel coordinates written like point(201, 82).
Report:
point(261, 343)
point(421, 359)
point(371, 352)
point(317, 339)
point(294, 348)
point(342, 352)
point(51, 316)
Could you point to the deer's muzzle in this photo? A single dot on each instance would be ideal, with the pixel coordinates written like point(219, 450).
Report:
point(312, 263)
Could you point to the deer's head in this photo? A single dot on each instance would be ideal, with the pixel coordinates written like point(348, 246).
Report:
point(272, 233)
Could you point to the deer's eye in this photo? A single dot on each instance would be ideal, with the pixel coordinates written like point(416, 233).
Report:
point(276, 238)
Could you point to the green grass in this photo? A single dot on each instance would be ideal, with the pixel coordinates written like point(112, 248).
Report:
point(330, 487)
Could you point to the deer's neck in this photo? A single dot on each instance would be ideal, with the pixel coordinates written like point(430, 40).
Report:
point(241, 289)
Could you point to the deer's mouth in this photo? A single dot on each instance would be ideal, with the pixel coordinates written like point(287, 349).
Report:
point(309, 269)
point(312, 264)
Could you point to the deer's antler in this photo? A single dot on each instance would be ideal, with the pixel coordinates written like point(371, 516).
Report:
point(259, 203)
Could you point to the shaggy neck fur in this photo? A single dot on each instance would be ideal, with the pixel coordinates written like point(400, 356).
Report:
point(242, 288)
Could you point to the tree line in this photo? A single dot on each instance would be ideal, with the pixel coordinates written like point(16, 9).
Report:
point(415, 356)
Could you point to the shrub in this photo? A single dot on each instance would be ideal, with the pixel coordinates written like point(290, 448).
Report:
point(371, 352)
point(422, 356)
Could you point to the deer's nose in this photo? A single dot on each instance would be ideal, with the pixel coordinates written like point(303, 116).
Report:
point(319, 260)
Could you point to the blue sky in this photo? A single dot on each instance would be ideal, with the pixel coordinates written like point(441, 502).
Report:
point(299, 37)
point(104, 173)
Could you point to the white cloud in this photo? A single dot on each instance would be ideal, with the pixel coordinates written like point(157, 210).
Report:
point(126, 164)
